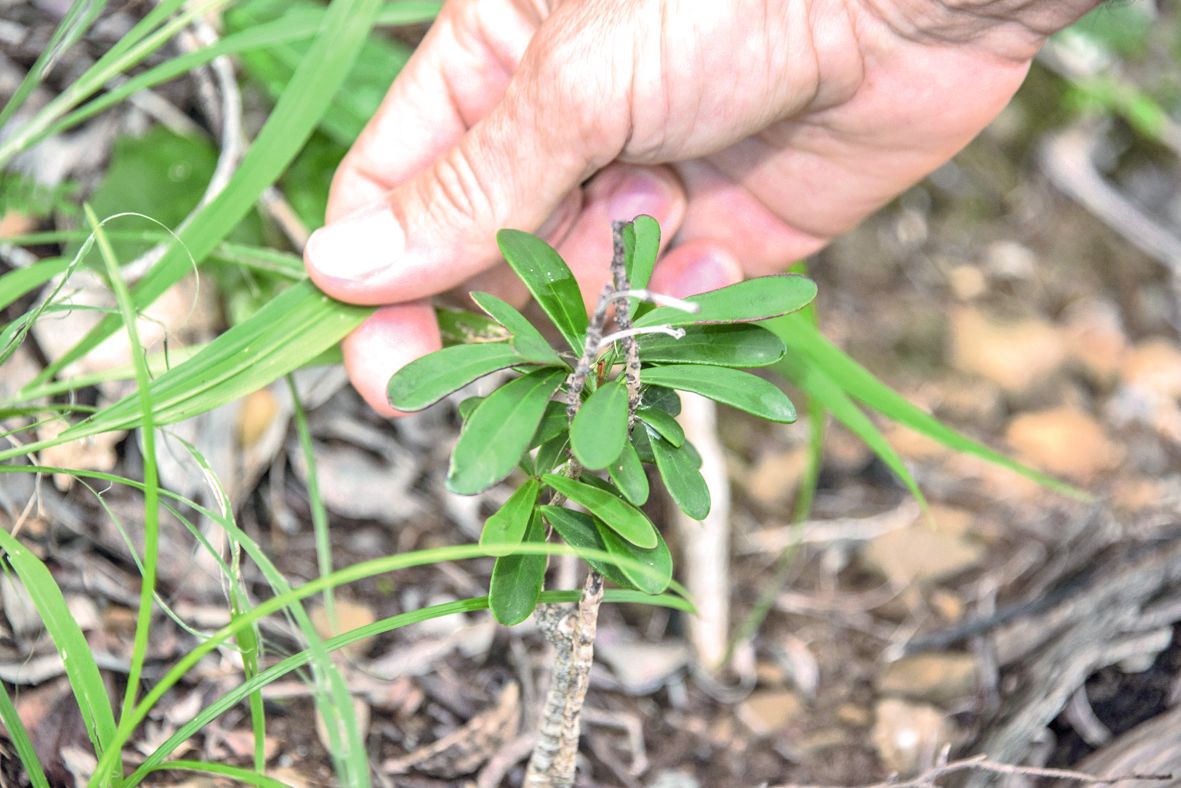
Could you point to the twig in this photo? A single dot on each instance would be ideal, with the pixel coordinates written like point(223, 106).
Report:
point(981, 763)
point(616, 336)
point(631, 350)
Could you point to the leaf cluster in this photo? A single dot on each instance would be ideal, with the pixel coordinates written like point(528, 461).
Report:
point(589, 438)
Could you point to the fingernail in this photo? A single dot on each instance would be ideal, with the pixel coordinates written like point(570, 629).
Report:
point(357, 245)
point(640, 193)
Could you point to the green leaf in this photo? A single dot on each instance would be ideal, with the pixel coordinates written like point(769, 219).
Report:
point(661, 398)
point(428, 379)
point(625, 519)
point(665, 425)
point(821, 388)
point(498, 432)
point(580, 532)
point(682, 478)
point(658, 559)
point(345, 26)
point(627, 472)
point(641, 241)
point(273, 66)
point(553, 424)
point(19, 736)
point(753, 299)
point(551, 454)
point(468, 407)
point(599, 430)
point(550, 281)
point(526, 338)
point(464, 327)
point(297, 325)
point(81, 669)
point(517, 579)
point(505, 529)
point(732, 387)
point(722, 346)
point(858, 382)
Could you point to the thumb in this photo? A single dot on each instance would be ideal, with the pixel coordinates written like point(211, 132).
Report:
point(511, 169)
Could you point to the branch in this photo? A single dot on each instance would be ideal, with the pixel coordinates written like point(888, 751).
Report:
point(981, 763)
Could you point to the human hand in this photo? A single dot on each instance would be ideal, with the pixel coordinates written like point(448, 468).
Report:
point(754, 131)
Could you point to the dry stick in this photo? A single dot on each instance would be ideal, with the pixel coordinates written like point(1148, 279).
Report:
point(571, 630)
point(981, 763)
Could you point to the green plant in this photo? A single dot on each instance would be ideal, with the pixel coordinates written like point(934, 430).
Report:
point(582, 423)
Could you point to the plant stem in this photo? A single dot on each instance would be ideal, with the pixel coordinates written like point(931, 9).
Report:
point(569, 629)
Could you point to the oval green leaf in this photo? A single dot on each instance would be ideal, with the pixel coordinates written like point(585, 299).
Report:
point(553, 424)
point(753, 299)
point(550, 281)
point(661, 398)
point(665, 425)
point(517, 579)
point(506, 528)
point(721, 346)
point(527, 340)
point(657, 559)
point(428, 379)
point(499, 430)
point(732, 387)
point(619, 515)
point(599, 430)
point(579, 531)
point(682, 478)
point(641, 243)
point(627, 472)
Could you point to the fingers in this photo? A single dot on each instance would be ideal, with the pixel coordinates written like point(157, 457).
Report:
point(695, 267)
point(456, 75)
point(511, 169)
point(389, 340)
point(619, 192)
point(724, 212)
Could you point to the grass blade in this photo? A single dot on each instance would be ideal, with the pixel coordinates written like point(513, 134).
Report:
point(333, 52)
point(143, 621)
point(81, 669)
point(804, 339)
point(19, 737)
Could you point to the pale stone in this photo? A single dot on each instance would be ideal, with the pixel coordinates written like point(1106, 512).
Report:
point(937, 677)
point(908, 736)
point(1065, 441)
point(1015, 355)
point(921, 553)
point(768, 711)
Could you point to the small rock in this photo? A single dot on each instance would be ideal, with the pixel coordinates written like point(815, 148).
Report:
point(672, 778)
point(1016, 355)
point(920, 553)
point(1154, 365)
point(19, 609)
point(948, 605)
point(938, 677)
point(913, 445)
point(967, 282)
point(908, 736)
point(854, 714)
point(256, 414)
point(1097, 340)
point(1065, 441)
point(642, 668)
point(774, 478)
point(768, 711)
point(1010, 260)
point(349, 615)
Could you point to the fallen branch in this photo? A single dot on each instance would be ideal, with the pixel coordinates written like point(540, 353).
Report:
point(981, 763)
